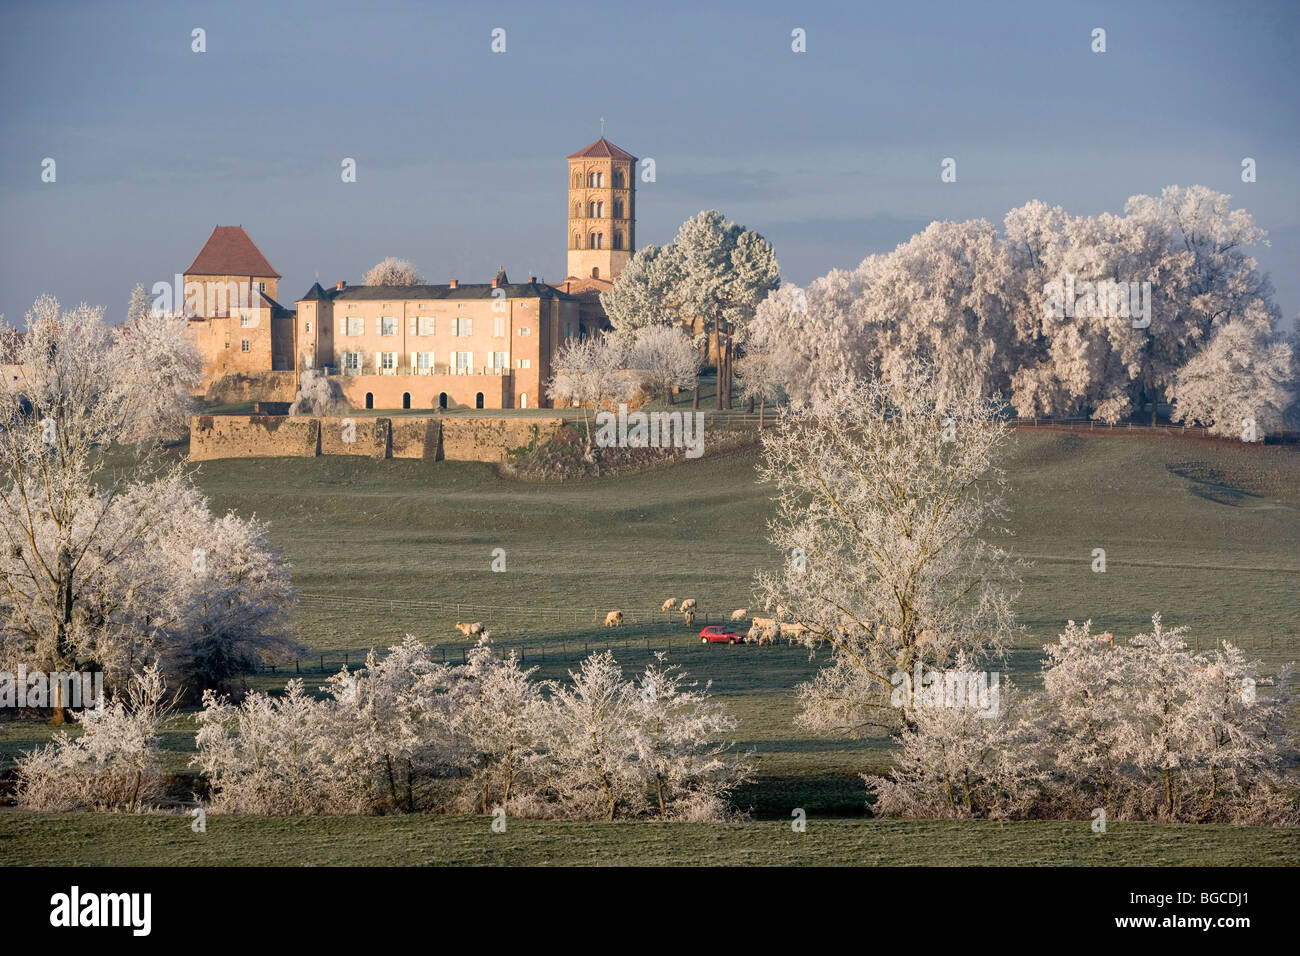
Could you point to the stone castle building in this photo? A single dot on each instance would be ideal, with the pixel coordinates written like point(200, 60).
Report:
point(455, 345)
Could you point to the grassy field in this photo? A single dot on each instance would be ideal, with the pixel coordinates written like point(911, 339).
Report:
point(1204, 532)
point(167, 840)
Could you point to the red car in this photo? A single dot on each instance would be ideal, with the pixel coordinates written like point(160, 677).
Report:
point(719, 635)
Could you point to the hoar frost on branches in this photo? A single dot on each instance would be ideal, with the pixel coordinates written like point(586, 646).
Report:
point(105, 569)
point(393, 271)
point(980, 309)
point(1143, 731)
point(113, 765)
point(881, 496)
point(408, 733)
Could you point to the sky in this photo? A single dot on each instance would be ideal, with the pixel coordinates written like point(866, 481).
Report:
point(833, 154)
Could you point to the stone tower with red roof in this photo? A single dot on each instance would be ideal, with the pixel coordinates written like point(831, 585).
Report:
point(602, 212)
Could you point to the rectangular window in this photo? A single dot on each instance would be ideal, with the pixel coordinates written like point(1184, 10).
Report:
point(243, 346)
point(464, 361)
point(500, 359)
point(568, 330)
point(352, 360)
point(525, 330)
point(462, 326)
point(356, 325)
point(309, 328)
point(499, 326)
point(387, 362)
point(425, 326)
point(244, 320)
point(424, 362)
point(525, 363)
point(387, 325)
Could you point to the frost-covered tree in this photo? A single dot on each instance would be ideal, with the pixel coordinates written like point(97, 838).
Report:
point(1239, 384)
point(956, 761)
point(882, 496)
point(393, 271)
point(160, 369)
point(115, 764)
point(283, 754)
point(318, 394)
point(814, 335)
point(498, 716)
point(591, 372)
point(712, 276)
point(591, 768)
point(394, 717)
point(724, 271)
point(992, 312)
point(665, 357)
point(683, 747)
point(760, 380)
point(1150, 730)
point(1086, 702)
point(159, 579)
point(74, 562)
point(645, 293)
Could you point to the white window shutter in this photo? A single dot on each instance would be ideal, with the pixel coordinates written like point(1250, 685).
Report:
point(379, 361)
point(410, 324)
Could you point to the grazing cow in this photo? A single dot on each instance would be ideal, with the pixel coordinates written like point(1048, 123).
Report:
point(751, 637)
point(1106, 638)
point(688, 605)
point(793, 630)
point(764, 622)
point(740, 613)
point(668, 605)
point(468, 629)
point(614, 619)
point(768, 636)
point(689, 616)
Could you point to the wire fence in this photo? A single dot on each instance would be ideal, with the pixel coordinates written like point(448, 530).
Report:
point(530, 652)
point(589, 634)
point(737, 419)
point(573, 616)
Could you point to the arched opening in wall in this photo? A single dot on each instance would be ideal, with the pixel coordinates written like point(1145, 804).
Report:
point(523, 400)
point(595, 272)
point(478, 400)
point(618, 179)
point(442, 399)
point(370, 399)
point(618, 240)
point(406, 399)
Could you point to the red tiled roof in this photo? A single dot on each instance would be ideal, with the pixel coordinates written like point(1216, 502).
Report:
point(602, 149)
point(229, 252)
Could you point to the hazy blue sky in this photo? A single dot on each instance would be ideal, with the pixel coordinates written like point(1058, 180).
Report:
point(832, 154)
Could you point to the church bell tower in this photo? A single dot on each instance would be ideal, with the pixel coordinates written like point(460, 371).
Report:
point(602, 211)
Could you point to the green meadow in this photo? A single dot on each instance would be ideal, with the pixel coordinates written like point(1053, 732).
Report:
point(1207, 533)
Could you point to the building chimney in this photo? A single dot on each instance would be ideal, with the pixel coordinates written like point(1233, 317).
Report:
point(532, 279)
point(341, 286)
point(494, 283)
point(452, 284)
